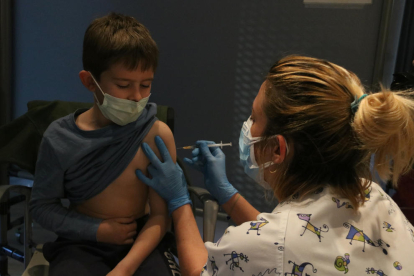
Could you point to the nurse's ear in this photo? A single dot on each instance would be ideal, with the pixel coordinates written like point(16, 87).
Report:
point(87, 80)
point(280, 151)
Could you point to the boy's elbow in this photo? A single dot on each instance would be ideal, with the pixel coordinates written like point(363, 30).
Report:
point(38, 208)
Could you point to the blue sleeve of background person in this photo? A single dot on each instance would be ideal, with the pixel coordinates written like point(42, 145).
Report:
point(375, 175)
point(45, 204)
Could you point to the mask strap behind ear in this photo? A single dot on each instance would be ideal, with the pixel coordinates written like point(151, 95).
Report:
point(287, 151)
point(97, 85)
point(287, 147)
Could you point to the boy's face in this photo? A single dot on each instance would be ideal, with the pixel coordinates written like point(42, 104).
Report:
point(122, 83)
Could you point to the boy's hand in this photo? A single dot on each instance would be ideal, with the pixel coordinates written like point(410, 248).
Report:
point(117, 231)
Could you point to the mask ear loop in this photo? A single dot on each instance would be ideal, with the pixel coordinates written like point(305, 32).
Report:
point(267, 164)
point(287, 152)
point(100, 89)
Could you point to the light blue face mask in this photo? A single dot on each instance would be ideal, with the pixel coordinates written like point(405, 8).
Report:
point(120, 111)
point(247, 158)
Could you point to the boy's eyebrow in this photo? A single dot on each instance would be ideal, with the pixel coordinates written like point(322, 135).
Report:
point(123, 79)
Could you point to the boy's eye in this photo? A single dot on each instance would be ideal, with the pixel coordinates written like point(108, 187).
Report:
point(145, 86)
point(123, 86)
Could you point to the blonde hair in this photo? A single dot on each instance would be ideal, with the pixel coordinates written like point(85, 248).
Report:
point(384, 125)
point(308, 101)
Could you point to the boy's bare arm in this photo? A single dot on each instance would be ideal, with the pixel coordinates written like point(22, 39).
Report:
point(159, 220)
point(148, 239)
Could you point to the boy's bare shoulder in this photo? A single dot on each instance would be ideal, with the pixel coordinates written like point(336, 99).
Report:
point(161, 129)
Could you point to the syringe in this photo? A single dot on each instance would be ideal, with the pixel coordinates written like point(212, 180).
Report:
point(221, 145)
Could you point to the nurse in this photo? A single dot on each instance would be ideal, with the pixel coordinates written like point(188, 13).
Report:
point(309, 139)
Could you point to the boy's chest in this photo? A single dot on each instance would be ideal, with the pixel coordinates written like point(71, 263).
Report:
point(125, 196)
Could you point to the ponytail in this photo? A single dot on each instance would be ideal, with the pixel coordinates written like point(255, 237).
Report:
point(384, 124)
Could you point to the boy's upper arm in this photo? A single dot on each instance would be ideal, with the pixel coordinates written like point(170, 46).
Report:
point(161, 129)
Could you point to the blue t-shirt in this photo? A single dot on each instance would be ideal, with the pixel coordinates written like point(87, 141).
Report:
point(78, 165)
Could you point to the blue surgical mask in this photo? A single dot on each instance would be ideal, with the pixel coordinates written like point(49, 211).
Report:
point(247, 158)
point(120, 111)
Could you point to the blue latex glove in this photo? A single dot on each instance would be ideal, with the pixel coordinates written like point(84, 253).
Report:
point(212, 163)
point(167, 177)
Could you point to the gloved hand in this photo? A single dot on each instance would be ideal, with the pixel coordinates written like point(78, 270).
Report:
point(167, 177)
point(212, 163)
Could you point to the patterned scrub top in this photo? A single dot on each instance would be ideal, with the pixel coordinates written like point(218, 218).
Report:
point(320, 235)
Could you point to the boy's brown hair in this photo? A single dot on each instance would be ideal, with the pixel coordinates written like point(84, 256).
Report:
point(118, 38)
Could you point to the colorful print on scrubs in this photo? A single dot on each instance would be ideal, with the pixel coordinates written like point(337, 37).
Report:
point(319, 235)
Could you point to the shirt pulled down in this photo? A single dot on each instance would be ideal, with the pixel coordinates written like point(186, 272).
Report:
point(77, 164)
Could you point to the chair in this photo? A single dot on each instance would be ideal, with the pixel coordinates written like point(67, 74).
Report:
point(19, 143)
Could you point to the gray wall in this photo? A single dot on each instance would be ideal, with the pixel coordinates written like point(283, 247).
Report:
point(214, 55)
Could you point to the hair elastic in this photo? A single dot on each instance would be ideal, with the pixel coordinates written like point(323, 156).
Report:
point(355, 103)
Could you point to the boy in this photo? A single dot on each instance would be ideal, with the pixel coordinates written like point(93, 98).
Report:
point(90, 157)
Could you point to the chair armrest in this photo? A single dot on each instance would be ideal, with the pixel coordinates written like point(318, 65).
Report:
point(4, 206)
point(6, 189)
point(211, 208)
